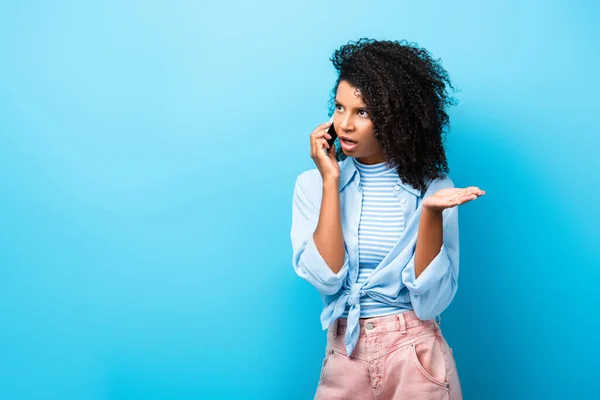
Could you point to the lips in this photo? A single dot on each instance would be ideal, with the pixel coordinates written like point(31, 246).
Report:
point(347, 144)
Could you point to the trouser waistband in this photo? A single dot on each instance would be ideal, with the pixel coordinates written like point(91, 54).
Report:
point(388, 323)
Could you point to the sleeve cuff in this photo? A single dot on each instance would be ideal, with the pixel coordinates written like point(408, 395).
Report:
point(318, 268)
point(430, 276)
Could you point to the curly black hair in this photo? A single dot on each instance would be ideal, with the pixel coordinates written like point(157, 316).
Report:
point(406, 92)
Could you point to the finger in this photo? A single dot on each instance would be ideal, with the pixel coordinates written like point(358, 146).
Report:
point(317, 146)
point(324, 143)
point(472, 195)
point(322, 127)
point(313, 146)
point(473, 190)
point(466, 199)
point(318, 150)
point(321, 148)
point(467, 193)
point(319, 134)
point(332, 154)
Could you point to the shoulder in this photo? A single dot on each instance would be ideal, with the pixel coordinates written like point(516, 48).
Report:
point(310, 183)
point(310, 179)
point(307, 177)
point(305, 188)
point(438, 184)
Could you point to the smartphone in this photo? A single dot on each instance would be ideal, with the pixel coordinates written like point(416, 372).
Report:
point(331, 132)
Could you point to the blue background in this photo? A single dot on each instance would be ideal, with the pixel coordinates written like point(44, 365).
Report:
point(148, 152)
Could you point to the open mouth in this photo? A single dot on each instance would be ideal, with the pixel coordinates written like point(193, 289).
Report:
point(348, 145)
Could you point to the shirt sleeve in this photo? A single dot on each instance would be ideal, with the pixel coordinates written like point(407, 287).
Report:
point(307, 261)
point(436, 286)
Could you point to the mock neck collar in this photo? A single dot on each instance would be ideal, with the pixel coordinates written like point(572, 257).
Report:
point(348, 171)
point(372, 170)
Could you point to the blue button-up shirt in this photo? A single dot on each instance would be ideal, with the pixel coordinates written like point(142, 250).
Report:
point(393, 281)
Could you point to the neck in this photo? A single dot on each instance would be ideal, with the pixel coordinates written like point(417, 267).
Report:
point(371, 159)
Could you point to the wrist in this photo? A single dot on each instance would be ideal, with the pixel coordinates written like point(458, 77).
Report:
point(331, 181)
point(432, 211)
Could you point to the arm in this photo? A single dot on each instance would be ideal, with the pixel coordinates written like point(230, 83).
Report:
point(328, 236)
point(319, 254)
point(431, 275)
point(429, 239)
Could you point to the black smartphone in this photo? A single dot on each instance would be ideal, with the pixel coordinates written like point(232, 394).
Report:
point(331, 132)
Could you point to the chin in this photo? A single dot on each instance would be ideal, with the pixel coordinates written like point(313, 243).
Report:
point(354, 153)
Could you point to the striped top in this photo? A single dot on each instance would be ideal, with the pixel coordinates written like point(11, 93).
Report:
point(381, 225)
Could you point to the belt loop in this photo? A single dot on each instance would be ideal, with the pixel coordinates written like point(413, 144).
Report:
point(334, 328)
point(402, 323)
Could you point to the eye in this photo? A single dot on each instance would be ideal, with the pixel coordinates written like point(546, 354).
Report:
point(364, 111)
point(337, 105)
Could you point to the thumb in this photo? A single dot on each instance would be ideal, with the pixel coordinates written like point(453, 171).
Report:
point(332, 151)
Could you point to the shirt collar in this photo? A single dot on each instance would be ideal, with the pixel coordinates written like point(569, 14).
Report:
point(348, 170)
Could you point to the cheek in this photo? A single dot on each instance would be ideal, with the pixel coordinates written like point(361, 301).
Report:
point(367, 139)
point(373, 144)
point(367, 136)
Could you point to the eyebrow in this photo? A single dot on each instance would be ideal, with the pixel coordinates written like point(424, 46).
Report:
point(336, 101)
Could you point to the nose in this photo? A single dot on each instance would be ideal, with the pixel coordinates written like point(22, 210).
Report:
point(346, 123)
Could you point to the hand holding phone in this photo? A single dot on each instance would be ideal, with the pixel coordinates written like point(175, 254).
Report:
point(325, 159)
point(333, 134)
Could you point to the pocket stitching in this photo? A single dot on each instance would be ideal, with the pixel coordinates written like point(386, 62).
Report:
point(427, 375)
point(325, 365)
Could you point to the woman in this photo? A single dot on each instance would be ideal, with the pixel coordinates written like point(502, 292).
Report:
point(375, 226)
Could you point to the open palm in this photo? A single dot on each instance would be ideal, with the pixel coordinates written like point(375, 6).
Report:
point(451, 197)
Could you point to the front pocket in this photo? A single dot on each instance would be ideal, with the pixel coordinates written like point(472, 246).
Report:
point(328, 353)
point(435, 356)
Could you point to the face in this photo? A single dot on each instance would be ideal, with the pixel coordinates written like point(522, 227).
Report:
point(352, 121)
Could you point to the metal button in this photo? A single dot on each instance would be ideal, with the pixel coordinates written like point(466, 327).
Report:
point(397, 188)
point(370, 325)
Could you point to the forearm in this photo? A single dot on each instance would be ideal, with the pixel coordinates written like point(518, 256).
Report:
point(328, 235)
point(429, 239)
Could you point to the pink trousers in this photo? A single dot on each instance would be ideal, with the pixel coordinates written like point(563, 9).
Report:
point(397, 357)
